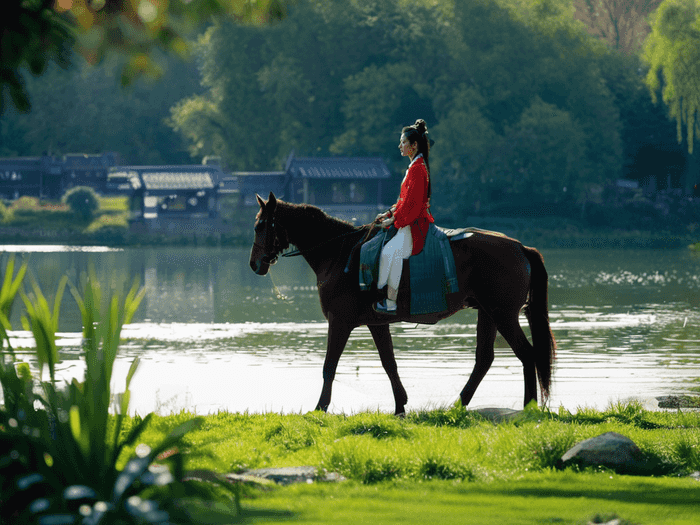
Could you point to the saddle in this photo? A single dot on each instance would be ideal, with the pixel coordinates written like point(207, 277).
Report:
point(432, 272)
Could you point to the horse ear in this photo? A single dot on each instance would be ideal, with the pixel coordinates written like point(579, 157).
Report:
point(260, 201)
point(272, 200)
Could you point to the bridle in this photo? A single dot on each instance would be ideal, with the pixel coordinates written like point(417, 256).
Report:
point(270, 243)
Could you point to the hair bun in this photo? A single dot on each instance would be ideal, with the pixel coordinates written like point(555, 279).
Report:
point(421, 126)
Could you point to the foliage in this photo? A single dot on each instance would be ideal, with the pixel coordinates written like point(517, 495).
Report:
point(622, 24)
point(673, 54)
point(33, 34)
point(512, 90)
point(26, 202)
point(10, 287)
point(82, 201)
point(68, 106)
point(42, 30)
point(59, 462)
point(109, 223)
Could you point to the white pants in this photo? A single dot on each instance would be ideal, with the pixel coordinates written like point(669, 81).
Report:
point(391, 261)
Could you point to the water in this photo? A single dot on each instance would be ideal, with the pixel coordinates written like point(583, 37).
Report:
point(213, 336)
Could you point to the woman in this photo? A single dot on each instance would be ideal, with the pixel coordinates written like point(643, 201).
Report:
point(410, 215)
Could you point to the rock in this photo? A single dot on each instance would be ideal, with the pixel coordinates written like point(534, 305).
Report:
point(497, 415)
point(610, 450)
point(287, 475)
point(681, 401)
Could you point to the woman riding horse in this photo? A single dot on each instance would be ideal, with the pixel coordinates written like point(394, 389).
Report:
point(410, 214)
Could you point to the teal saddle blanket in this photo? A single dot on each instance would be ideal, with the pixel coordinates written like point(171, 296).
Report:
point(432, 272)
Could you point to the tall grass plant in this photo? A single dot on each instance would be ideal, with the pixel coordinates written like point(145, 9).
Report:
point(62, 447)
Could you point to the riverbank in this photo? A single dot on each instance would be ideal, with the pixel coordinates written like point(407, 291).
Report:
point(539, 233)
point(451, 465)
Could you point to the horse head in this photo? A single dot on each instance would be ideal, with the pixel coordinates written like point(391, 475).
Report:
point(266, 245)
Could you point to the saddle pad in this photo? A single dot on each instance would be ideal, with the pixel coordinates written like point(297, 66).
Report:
point(369, 257)
point(462, 233)
point(369, 260)
point(433, 274)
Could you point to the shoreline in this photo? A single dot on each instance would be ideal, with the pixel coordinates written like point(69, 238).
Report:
point(538, 236)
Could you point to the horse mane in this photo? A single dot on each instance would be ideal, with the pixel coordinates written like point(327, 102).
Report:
point(312, 220)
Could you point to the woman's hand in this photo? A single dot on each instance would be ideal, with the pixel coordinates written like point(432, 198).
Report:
point(387, 222)
point(382, 217)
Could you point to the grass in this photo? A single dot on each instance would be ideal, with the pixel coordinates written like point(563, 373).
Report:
point(450, 465)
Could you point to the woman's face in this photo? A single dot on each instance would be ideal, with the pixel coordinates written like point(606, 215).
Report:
point(407, 149)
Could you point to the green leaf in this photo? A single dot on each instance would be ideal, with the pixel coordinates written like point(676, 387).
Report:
point(81, 438)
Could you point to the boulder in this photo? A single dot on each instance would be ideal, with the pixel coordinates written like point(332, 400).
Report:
point(287, 475)
point(498, 415)
point(610, 450)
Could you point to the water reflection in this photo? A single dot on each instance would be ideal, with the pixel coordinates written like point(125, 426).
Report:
point(213, 335)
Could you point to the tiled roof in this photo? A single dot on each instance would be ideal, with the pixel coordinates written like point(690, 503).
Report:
point(171, 180)
point(339, 168)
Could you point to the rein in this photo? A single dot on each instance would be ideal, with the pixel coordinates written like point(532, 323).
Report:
point(297, 252)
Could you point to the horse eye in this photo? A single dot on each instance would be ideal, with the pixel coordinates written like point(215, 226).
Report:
point(260, 226)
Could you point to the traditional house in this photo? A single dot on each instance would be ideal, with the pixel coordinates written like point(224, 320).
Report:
point(88, 170)
point(352, 188)
point(171, 199)
point(32, 176)
point(49, 177)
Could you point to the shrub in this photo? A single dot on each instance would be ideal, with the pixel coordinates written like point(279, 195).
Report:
point(83, 201)
point(3, 211)
point(26, 203)
point(59, 449)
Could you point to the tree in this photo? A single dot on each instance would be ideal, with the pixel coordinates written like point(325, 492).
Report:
point(83, 110)
point(622, 24)
point(36, 32)
point(344, 78)
point(673, 54)
point(83, 201)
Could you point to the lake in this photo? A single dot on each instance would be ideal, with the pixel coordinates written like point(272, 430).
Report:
point(213, 336)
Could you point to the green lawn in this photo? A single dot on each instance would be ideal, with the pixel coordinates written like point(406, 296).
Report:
point(451, 466)
point(547, 497)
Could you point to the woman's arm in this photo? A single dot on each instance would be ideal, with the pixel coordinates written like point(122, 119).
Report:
point(413, 196)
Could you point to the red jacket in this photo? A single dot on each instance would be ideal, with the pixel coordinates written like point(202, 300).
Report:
point(412, 207)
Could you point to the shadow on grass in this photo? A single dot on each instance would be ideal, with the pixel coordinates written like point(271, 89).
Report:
point(254, 515)
point(648, 493)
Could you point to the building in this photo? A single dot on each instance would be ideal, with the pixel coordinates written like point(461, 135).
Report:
point(49, 177)
point(352, 188)
point(34, 176)
point(181, 200)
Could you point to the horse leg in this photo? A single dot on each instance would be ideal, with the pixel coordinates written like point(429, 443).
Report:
point(485, 337)
point(510, 329)
point(338, 335)
point(382, 339)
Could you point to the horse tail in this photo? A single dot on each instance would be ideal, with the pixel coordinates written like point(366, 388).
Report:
point(537, 313)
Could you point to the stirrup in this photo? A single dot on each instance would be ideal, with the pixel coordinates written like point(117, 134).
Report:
point(381, 308)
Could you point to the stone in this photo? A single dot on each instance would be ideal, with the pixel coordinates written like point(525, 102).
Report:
point(497, 415)
point(289, 475)
point(681, 401)
point(611, 450)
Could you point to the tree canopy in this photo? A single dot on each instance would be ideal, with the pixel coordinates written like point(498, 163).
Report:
point(36, 32)
point(513, 91)
point(673, 53)
point(522, 101)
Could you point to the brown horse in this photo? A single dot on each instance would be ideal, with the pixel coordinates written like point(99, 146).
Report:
point(497, 276)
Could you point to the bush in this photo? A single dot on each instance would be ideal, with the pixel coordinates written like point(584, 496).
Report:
point(83, 201)
point(3, 211)
point(26, 203)
point(59, 449)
